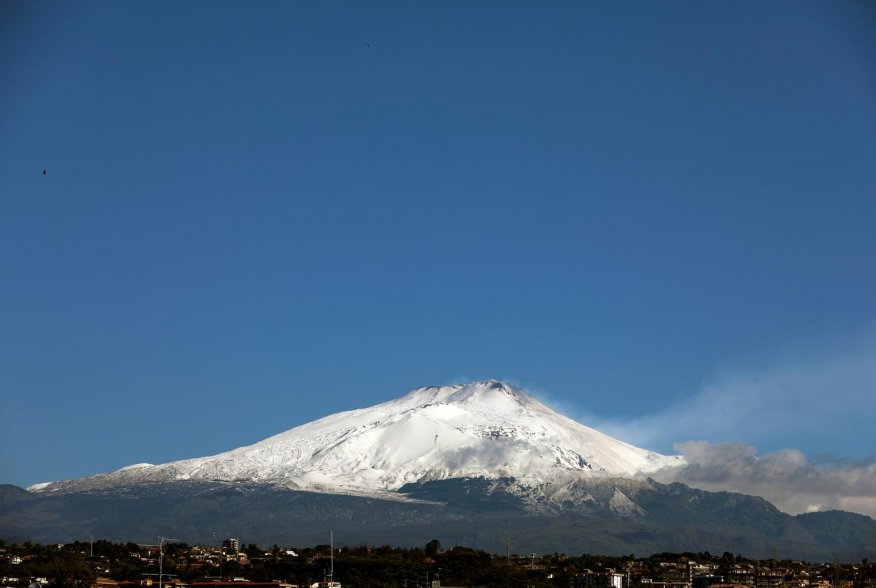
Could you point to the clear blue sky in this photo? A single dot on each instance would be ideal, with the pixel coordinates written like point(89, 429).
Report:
point(256, 214)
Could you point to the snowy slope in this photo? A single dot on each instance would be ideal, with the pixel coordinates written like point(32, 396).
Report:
point(489, 429)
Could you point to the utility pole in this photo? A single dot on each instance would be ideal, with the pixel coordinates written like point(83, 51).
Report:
point(161, 541)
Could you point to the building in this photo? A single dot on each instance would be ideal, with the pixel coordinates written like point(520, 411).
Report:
point(597, 580)
point(770, 579)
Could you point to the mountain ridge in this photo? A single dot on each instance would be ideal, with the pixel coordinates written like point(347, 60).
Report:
point(472, 512)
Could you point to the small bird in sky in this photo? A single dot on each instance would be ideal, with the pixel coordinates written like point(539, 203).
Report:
point(44, 172)
point(367, 44)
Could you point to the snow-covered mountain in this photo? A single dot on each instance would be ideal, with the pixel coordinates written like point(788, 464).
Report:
point(471, 465)
point(486, 429)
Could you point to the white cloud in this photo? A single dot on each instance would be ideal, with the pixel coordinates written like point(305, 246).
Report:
point(785, 478)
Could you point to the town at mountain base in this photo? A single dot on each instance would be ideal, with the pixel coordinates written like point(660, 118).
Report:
point(468, 512)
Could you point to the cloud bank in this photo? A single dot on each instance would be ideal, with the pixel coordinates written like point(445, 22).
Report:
point(785, 478)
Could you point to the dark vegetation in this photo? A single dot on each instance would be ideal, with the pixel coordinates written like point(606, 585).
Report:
point(80, 563)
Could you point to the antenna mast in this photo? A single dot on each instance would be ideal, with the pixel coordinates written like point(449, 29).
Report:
point(161, 541)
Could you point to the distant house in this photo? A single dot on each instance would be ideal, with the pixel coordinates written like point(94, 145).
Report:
point(597, 580)
point(677, 584)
